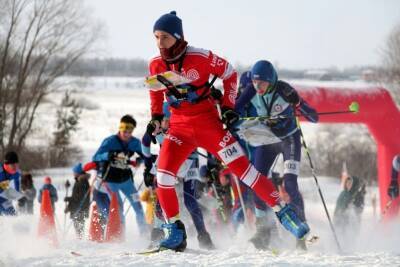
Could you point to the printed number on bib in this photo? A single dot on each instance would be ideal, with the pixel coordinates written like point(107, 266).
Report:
point(231, 153)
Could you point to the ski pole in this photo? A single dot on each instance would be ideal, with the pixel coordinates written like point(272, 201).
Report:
point(219, 199)
point(246, 219)
point(127, 210)
point(67, 185)
point(317, 184)
point(353, 108)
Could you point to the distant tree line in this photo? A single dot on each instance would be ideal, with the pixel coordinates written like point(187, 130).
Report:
point(121, 67)
point(109, 67)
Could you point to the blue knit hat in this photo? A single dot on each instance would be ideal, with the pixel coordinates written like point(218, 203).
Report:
point(263, 70)
point(78, 168)
point(171, 24)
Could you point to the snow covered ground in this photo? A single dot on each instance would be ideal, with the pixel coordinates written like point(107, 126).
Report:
point(377, 244)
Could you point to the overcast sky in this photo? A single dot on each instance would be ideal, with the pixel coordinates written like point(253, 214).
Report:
point(292, 33)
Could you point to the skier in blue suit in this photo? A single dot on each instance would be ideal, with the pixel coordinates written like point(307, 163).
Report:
point(113, 159)
point(279, 101)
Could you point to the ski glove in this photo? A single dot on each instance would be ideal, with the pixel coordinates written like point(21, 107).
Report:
point(216, 94)
point(229, 116)
point(393, 190)
point(152, 126)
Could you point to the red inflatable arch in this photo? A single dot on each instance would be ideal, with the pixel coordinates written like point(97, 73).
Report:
point(377, 111)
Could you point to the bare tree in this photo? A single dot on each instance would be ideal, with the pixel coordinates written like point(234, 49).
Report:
point(39, 41)
point(390, 74)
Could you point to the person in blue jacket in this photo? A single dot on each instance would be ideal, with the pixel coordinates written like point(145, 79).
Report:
point(113, 159)
point(189, 172)
point(9, 183)
point(278, 101)
point(264, 215)
point(52, 190)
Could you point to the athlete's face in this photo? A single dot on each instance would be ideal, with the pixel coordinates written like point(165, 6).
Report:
point(125, 135)
point(164, 39)
point(261, 86)
point(11, 168)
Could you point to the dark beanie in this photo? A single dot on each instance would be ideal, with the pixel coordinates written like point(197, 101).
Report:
point(11, 157)
point(171, 24)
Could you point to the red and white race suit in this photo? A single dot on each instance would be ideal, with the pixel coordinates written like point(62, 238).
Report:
point(198, 125)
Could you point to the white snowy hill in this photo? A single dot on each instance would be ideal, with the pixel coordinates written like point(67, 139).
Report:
point(374, 244)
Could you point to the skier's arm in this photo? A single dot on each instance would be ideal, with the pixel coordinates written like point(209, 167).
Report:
point(291, 96)
point(225, 71)
point(308, 112)
point(90, 166)
point(54, 194)
point(102, 154)
point(248, 93)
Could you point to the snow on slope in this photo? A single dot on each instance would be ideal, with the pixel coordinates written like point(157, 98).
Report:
point(376, 245)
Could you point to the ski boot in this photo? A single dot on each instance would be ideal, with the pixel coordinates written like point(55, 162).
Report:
point(262, 237)
point(290, 220)
point(205, 241)
point(175, 236)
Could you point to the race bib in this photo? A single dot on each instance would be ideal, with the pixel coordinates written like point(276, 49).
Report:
point(291, 167)
point(231, 153)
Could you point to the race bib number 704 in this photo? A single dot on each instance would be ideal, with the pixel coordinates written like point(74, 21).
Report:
point(231, 153)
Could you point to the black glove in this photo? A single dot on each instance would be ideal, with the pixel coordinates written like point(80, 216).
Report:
point(215, 93)
point(66, 199)
point(229, 116)
point(148, 178)
point(271, 122)
point(393, 190)
point(151, 127)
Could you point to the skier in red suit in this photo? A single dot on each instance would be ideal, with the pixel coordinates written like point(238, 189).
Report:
point(195, 122)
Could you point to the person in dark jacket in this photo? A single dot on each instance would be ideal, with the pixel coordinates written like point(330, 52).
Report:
point(79, 201)
point(349, 206)
point(25, 204)
point(53, 192)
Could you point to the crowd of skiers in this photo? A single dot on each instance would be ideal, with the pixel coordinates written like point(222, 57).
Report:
point(238, 173)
